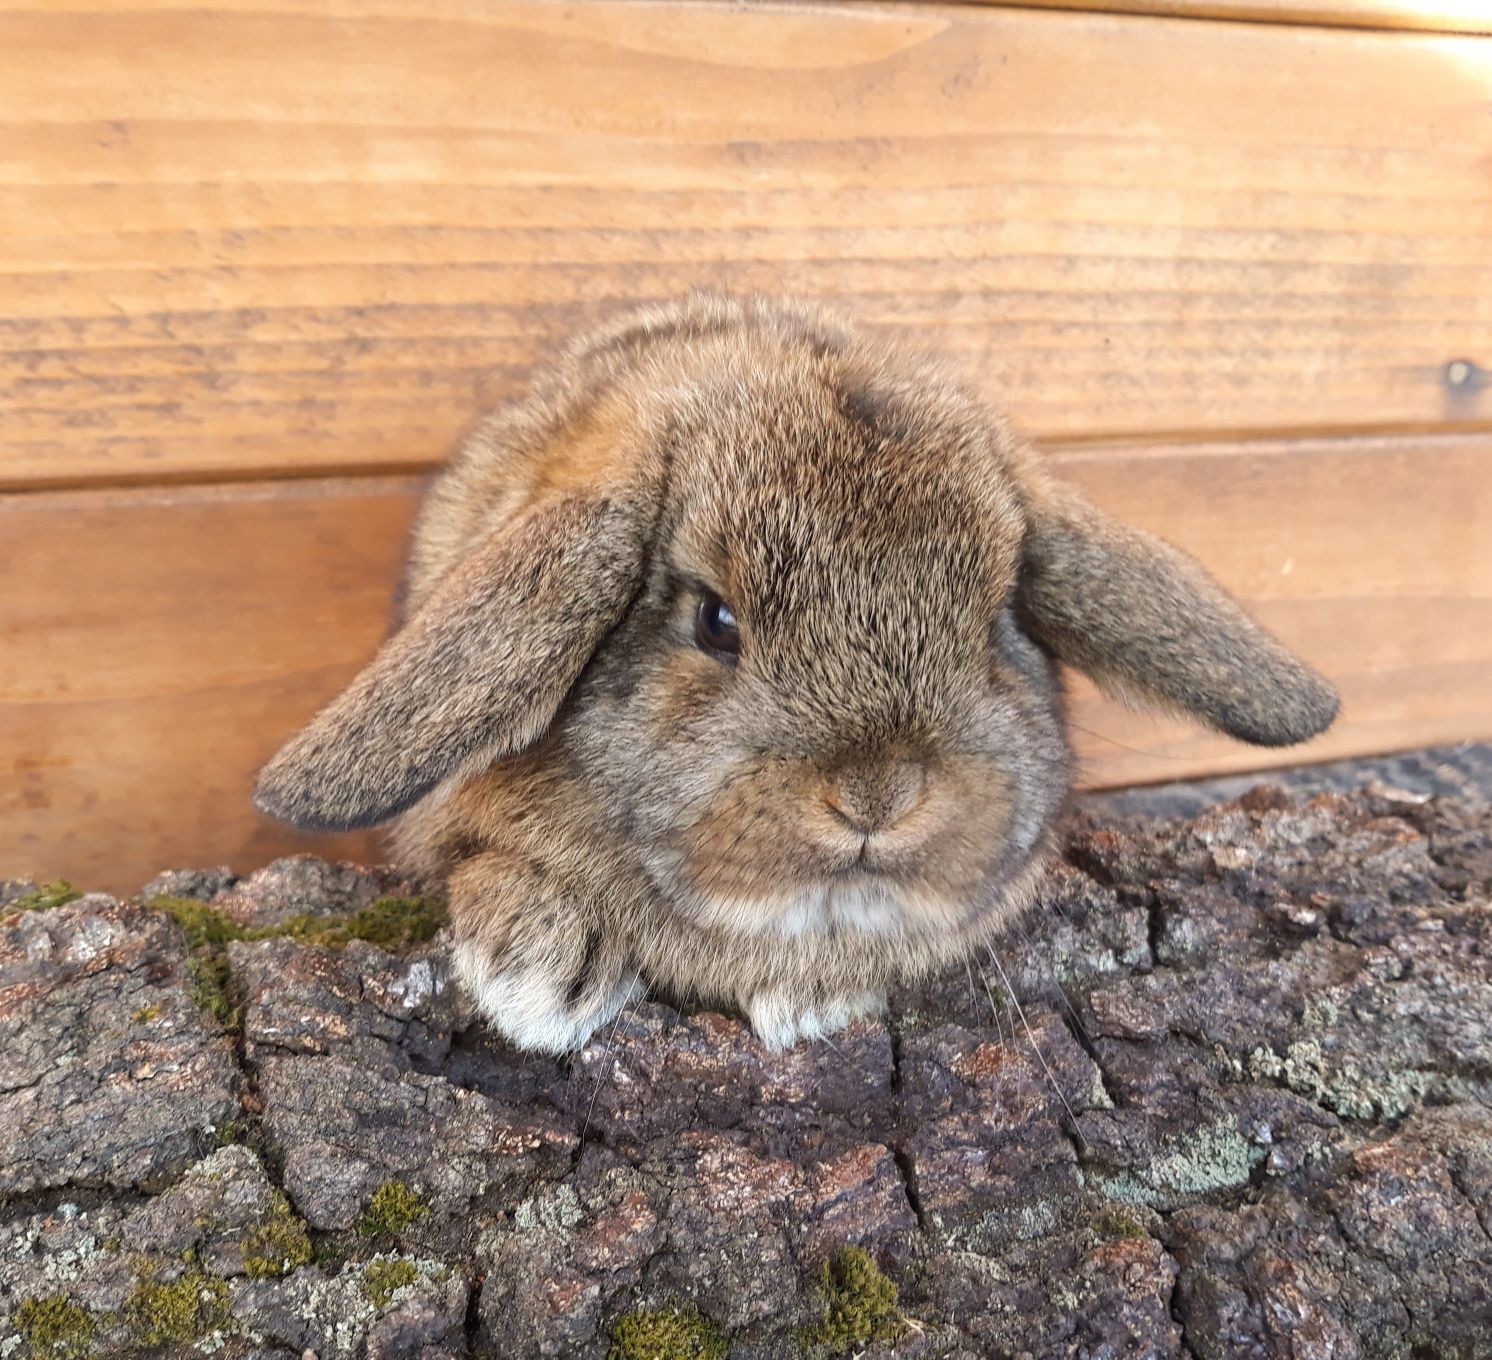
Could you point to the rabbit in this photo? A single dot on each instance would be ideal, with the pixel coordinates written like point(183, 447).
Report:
point(729, 671)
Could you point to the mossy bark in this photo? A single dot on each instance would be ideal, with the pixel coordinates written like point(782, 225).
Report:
point(1227, 1092)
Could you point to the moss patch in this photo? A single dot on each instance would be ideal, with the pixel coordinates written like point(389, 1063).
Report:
point(146, 1014)
point(54, 1327)
point(58, 893)
point(207, 932)
point(390, 923)
point(210, 981)
point(859, 1303)
point(383, 1279)
point(184, 1310)
point(204, 927)
point(667, 1334)
point(1119, 1222)
point(330, 1254)
point(393, 1208)
point(279, 1245)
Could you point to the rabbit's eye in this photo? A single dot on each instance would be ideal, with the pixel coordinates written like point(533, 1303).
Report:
point(715, 629)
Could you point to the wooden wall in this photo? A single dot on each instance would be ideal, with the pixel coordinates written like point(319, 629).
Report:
point(259, 264)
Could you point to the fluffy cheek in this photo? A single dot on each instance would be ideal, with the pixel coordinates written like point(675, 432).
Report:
point(645, 734)
point(737, 836)
point(712, 817)
point(745, 843)
point(960, 837)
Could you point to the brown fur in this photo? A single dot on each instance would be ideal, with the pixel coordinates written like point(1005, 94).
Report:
point(869, 792)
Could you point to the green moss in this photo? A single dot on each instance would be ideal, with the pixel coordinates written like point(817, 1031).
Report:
point(204, 927)
point(383, 1279)
point(331, 1255)
point(207, 931)
point(666, 1334)
point(393, 1208)
point(146, 1013)
point(185, 1310)
point(58, 893)
point(278, 1245)
point(1119, 1222)
point(390, 923)
point(54, 1327)
point(210, 980)
point(395, 922)
point(859, 1304)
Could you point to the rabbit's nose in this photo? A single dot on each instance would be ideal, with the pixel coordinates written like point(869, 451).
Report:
point(874, 796)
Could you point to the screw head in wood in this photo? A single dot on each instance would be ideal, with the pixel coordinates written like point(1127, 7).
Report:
point(1460, 373)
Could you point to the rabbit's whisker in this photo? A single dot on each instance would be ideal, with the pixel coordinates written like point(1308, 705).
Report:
point(1059, 989)
point(616, 1024)
point(1031, 1037)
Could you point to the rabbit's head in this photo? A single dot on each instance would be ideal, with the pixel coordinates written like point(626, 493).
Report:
point(786, 603)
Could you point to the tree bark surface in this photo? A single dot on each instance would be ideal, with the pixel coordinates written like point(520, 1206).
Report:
point(1226, 1093)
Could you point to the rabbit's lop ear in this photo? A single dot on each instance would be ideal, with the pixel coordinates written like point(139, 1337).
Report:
point(1145, 622)
point(478, 672)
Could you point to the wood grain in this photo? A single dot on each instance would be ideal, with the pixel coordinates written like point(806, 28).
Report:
point(1435, 16)
point(164, 644)
point(168, 640)
point(308, 238)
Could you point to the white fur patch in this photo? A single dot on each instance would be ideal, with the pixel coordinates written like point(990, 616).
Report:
point(781, 1022)
point(868, 906)
point(526, 1008)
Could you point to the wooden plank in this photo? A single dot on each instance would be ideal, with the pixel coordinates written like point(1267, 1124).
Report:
point(166, 641)
point(163, 643)
point(1433, 16)
point(303, 238)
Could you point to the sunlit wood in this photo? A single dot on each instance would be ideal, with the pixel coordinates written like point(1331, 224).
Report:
point(1201, 259)
point(291, 238)
point(1446, 16)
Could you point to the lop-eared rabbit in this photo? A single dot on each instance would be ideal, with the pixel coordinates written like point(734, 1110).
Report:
point(728, 670)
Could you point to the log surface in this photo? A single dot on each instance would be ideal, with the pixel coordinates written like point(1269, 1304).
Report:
point(1244, 1108)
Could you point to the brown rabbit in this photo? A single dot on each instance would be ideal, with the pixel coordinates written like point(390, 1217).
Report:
point(729, 665)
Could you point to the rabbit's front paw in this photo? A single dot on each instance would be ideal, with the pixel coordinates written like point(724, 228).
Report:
point(536, 1007)
point(781, 1020)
